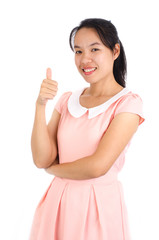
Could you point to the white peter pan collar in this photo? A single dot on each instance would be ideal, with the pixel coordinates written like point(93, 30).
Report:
point(76, 109)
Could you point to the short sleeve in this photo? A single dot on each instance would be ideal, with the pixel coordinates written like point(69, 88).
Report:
point(62, 101)
point(131, 103)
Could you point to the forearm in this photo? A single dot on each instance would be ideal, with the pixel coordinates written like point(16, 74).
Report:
point(43, 149)
point(84, 168)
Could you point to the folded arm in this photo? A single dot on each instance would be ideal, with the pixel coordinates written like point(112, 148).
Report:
point(117, 136)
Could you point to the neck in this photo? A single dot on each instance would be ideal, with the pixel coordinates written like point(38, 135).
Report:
point(105, 88)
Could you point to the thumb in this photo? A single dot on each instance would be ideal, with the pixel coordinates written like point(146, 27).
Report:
point(49, 73)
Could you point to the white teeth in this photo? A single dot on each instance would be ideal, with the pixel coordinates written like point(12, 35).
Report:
point(89, 70)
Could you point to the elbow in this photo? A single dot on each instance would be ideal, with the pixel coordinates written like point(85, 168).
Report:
point(43, 160)
point(42, 163)
point(99, 169)
point(95, 171)
point(98, 172)
point(39, 164)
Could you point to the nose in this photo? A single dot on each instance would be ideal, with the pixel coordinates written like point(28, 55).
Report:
point(86, 58)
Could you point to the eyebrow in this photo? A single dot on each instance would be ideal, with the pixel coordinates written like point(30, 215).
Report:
point(92, 44)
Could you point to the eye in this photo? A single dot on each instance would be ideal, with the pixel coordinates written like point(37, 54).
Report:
point(95, 49)
point(78, 52)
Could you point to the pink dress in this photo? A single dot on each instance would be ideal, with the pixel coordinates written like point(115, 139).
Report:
point(92, 209)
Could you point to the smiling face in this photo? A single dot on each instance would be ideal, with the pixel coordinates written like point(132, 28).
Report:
point(93, 59)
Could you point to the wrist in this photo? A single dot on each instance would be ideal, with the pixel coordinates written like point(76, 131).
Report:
point(39, 110)
point(40, 104)
point(41, 101)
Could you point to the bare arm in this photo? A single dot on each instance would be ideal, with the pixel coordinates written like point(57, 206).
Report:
point(119, 133)
point(43, 140)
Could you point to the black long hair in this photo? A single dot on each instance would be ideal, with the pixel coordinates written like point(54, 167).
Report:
point(109, 37)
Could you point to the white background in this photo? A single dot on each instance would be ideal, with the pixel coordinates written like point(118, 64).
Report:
point(34, 36)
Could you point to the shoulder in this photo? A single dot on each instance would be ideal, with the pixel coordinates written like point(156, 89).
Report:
point(130, 96)
point(132, 103)
point(130, 99)
point(65, 95)
point(62, 101)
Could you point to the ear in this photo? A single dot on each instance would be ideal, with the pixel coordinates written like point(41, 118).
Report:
point(116, 51)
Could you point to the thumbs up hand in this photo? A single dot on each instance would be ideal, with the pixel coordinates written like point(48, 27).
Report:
point(48, 88)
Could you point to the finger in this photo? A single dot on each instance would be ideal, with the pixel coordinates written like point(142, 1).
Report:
point(48, 91)
point(52, 86)
point(47, 96)
point(49, 87)
point(48, 73)
point(52, 82)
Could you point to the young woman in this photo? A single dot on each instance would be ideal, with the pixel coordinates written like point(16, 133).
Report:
point(84, 143)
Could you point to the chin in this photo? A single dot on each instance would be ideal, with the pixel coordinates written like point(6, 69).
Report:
point(90, 80)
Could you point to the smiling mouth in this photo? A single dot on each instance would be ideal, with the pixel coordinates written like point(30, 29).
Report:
point(89, 70)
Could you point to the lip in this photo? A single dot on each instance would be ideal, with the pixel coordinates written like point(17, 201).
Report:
point(88, 70)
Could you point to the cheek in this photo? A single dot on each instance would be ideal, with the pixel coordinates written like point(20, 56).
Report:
point(107, 61)
point(76, 62)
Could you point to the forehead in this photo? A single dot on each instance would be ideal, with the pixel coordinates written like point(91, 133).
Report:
point(86, 36)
